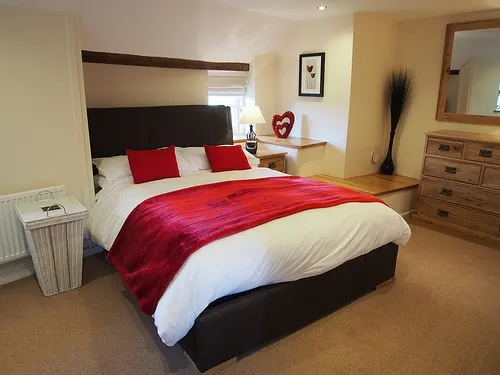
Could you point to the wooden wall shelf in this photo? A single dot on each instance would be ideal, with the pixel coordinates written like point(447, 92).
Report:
point(375, 184)
point(160, 62)
point(291, 142)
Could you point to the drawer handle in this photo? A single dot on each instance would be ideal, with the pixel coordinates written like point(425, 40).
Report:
point(446, 192)
point(272, 165)
point(451, 170)
point(486, 153)
point(443, 213)
point(443, 147)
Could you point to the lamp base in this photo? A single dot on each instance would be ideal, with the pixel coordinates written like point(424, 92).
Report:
point(251, 147)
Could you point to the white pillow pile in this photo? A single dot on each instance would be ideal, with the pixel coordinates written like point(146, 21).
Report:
point(190, 160)
point(113, 169)
point(197, 156)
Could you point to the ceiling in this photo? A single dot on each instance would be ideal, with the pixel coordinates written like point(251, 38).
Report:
point(302, 10)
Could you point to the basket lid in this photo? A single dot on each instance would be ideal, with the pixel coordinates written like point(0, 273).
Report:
point(50, 211)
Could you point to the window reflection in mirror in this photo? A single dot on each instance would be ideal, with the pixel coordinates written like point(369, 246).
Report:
point(474, 81)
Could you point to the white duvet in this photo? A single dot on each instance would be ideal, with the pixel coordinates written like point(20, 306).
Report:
point(297, 246)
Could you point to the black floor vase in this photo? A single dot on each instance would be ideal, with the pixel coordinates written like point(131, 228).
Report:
point(387, 166)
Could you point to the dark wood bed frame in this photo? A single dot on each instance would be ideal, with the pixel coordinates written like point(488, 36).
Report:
point(236, 324)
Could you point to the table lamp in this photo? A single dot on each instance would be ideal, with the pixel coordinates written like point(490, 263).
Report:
point(251, 115)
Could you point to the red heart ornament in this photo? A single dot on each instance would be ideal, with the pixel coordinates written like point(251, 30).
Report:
point(283, 124)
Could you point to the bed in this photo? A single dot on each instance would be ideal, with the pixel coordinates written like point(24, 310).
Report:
point(222, 304)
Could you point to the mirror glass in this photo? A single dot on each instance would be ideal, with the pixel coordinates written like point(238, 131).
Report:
point(474, 81)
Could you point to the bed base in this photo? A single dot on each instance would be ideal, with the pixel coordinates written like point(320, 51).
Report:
point(237, 324)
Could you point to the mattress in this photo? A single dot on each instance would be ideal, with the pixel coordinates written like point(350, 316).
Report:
point(302, 245)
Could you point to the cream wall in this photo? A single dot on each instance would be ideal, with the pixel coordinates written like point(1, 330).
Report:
point(420, 47)
point(135, 86)
point(374, 53)
point(300, 162)
point(464, 86)
point(193, 29)
point(320, 118)
point(265, 80)
point(474, 43)
point(44, 136)
point(477, 91)
point(484, 86)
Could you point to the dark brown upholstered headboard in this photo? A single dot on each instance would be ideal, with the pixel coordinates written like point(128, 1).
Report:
point(113, 130)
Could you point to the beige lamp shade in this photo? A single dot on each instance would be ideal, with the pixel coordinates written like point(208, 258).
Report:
point(252, 114)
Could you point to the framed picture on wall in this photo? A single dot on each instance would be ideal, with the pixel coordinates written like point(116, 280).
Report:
point(312, 74)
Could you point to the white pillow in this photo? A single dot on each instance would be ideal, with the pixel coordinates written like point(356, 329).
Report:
point(252, 159)
point(116, 168)
point(101, 182)
point(198, 157)
point(185, 167)
point(195, 156)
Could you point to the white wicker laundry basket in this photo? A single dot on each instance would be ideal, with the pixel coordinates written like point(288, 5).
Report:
point(55, 240)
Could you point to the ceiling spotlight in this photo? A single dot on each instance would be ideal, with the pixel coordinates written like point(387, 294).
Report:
point(322, 7)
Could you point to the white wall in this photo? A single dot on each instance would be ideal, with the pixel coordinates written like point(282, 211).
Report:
point(135, 86)
point(374, 53)
point(320, 118)
point(44, 135)
point(420, 47)
point(196, 29)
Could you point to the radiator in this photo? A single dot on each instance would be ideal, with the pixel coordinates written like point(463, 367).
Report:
point(12, 240)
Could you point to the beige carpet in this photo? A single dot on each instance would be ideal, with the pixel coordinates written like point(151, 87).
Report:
point(441, 316)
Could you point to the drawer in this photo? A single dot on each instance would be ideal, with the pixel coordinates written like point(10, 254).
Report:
point(444, 147)
point(463, 217)
point(452, 170)
point(461, 194)
point(485, 152)
point(278, 163)
point(491, 178)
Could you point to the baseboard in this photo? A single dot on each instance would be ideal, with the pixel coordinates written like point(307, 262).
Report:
point(17, 275)
point(16, 270)
point(21, 268)
point(456, 231)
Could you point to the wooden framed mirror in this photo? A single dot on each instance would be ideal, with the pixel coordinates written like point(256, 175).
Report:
point(470, 75)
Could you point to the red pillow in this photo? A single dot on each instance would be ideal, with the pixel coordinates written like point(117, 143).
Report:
point(151, 165)
point(226, 158)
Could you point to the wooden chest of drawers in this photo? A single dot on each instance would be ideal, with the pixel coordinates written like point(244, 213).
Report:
point(459, 192)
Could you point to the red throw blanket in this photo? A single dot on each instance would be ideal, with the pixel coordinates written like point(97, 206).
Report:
point(163, 231)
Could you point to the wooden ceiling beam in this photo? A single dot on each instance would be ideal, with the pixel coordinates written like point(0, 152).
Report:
point(160, 62)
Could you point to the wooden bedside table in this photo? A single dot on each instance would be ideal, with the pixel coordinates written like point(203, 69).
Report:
point(272, 160)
